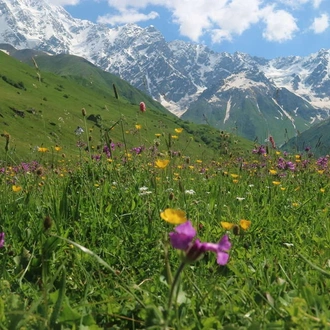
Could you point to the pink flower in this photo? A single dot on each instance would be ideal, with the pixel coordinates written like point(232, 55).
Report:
point(2, 239)
point(142, 107)
point(183, 239)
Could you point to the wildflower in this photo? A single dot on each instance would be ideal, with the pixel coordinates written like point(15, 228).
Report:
point(178, 130)
point(235, 181)
point(240, 198)
point(173, 216)
point(2, 239)
point(174, 137)
point(272, 141)
point(226, 225)
point(244, 224)
point(190, 192)
point(272, 172)
point(276, 183)
point(158, 135)
point(162, 163)
point(260, 150)
point(57, 148)
point(16, 188)
point(322, 190)
point(83, 112)
point(41, 149)
point(137, 126)
point(78, 130)
point(234, 176)
point(142, 107)
point(183, 239)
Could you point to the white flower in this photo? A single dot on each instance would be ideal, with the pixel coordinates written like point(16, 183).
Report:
point(190, 192)
point(288, 244)
point(143, 188)
point(240, 198)
point(145, 192)
point(79, 131)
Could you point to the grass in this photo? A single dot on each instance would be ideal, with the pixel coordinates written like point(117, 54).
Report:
point(85, 246)
point(46, 113)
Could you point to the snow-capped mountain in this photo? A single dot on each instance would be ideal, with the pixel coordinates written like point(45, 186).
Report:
point(189, 79)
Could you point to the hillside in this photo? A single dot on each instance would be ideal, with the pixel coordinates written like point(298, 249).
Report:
point(40, 108)
point(317, 138)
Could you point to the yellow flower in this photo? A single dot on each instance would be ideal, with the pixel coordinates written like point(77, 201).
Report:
point(199, 161)
point(16, 188)
point(176, 217)
point(295, 204)
point(138, 126)
point(320, 171)
point(158, 135)
point(272, 172)
point(41, 149)
point(191, 167)
point(174, 137)
point(235, 181)
point(162, 163)
point(245, 224)
point(234, 176)
point(277, 152)
point(322, 190)
point(282, 188)
point(57, 148)
point(227, 225)
point(178, 130)
point(276, 183)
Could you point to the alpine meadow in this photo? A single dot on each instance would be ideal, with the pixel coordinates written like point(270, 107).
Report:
point(116, 214)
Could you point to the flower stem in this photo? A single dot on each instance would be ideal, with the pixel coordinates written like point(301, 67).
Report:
point(174, 285)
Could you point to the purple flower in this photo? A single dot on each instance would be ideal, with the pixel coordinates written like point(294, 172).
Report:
point(284, 165)
point(2, 239)
point(322, 162)
point(261, 150)
point(183, 239)
point(183, 236)
point(221, 249)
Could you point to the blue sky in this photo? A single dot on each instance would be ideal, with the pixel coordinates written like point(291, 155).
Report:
point(265, 28)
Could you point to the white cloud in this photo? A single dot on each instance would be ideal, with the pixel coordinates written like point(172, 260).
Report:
point(280, 24)
point(320, 24)
point(220, 19)
point(126, 16)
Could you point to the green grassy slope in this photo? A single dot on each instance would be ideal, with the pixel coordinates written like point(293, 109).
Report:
point(317, 138)
point(45, 112)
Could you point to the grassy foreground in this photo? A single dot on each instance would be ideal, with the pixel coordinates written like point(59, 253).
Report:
point(85, 247)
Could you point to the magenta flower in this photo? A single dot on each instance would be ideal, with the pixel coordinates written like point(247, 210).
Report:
point(2, 239)
point(183, 236)
point(221, 249)
point(142, 107)
point(183, 239)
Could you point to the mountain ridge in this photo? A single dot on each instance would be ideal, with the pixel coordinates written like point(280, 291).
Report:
point(180, 75)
